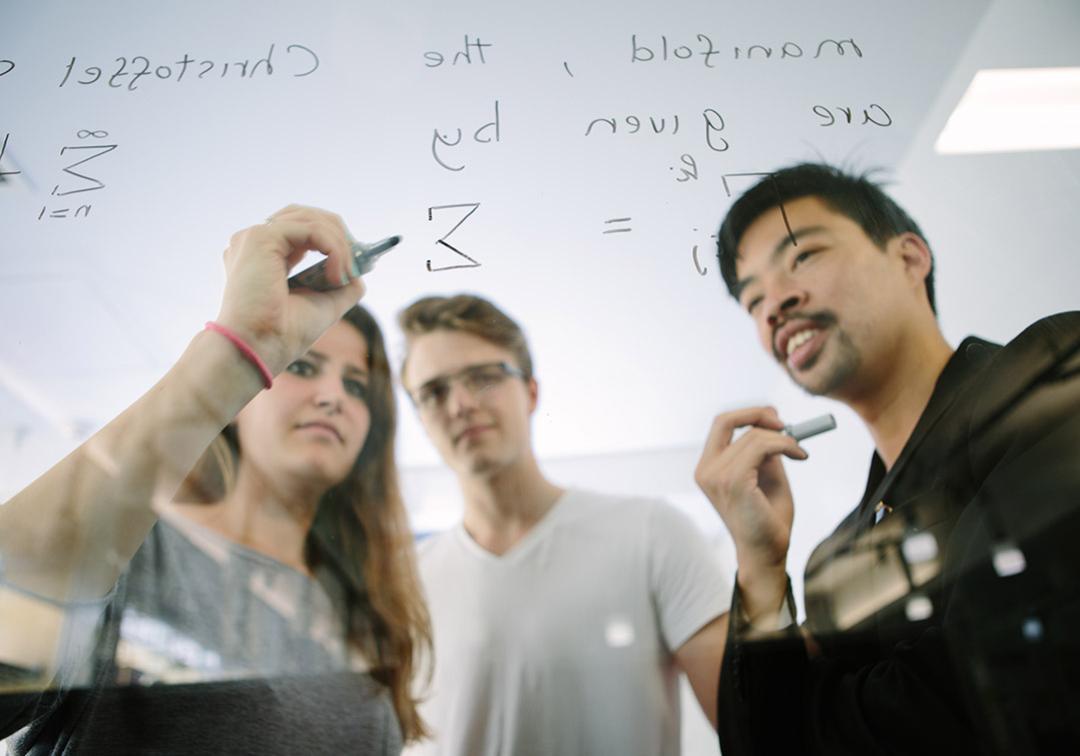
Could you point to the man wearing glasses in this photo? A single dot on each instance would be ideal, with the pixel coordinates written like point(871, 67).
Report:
point(561, 617)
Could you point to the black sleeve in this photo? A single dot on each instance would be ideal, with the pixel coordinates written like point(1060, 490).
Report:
point(16, 711)
point(760, 683)
point(1001, 672)
point(775, 699)
point(1015, 558)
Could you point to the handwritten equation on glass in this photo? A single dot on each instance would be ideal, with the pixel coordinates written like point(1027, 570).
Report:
point(452, 148)
point(696, 136)
point(79, 174)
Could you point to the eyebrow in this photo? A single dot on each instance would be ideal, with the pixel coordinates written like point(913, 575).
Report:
point(503, 365)
point(790, 239)
point(320, 357)
point(431, 383)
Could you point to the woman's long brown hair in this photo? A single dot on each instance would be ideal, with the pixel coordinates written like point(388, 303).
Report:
point(361, 539)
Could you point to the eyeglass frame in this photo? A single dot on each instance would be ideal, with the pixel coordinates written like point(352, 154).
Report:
point(506, 369)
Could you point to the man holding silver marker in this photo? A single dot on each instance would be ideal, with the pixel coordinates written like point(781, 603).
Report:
point(941, 612)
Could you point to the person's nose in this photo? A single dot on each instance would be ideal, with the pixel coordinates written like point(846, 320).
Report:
point(459, 399)
point(329, 394)
point(781, 298)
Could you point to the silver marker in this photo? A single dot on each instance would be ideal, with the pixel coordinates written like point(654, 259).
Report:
point(808, 428)
point(363, 257)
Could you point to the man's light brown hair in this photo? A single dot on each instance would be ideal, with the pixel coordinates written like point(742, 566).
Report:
point(466, 313)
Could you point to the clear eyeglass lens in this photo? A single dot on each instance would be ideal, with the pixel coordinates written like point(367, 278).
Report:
point(482, 378)
point(432, 395)
point(475, 380)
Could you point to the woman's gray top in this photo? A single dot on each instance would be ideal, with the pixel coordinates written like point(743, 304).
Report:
point(206, 646)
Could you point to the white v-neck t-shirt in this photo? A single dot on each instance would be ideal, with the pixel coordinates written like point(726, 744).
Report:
point(563, 645)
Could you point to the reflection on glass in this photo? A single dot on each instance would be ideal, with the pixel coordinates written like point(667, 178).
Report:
point(271, 602)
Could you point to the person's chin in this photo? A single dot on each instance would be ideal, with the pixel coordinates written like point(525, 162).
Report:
point(824, 377)
point(813, 388)
point(476, 462)
point(319, 471)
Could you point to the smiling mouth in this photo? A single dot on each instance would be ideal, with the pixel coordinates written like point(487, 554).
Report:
point(804, 348)
point(799, 338)
point(797, 346)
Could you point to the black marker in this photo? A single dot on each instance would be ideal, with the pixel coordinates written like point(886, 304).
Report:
point(363, 255)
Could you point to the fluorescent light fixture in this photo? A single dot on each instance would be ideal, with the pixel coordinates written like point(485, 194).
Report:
point(1015, 110)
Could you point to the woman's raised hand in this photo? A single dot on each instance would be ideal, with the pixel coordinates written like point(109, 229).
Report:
point(258, 305)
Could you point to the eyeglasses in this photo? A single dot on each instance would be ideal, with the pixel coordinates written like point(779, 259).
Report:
point(476, 379)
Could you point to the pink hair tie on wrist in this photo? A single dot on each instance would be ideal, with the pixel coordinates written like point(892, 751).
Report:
point(247, 351)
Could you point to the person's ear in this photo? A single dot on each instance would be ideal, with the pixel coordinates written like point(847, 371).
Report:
point(914, 254)
point(534, 394)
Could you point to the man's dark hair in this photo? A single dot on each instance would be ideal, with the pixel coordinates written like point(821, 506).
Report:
point(854, 196)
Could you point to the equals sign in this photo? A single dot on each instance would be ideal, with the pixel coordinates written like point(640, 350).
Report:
point(616, 230)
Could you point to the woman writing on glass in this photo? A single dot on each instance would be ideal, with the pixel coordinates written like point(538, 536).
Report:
point(258, 595)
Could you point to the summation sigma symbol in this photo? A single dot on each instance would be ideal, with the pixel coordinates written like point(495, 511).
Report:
point(448, 148)
point(472, 263)
point(84, 182)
